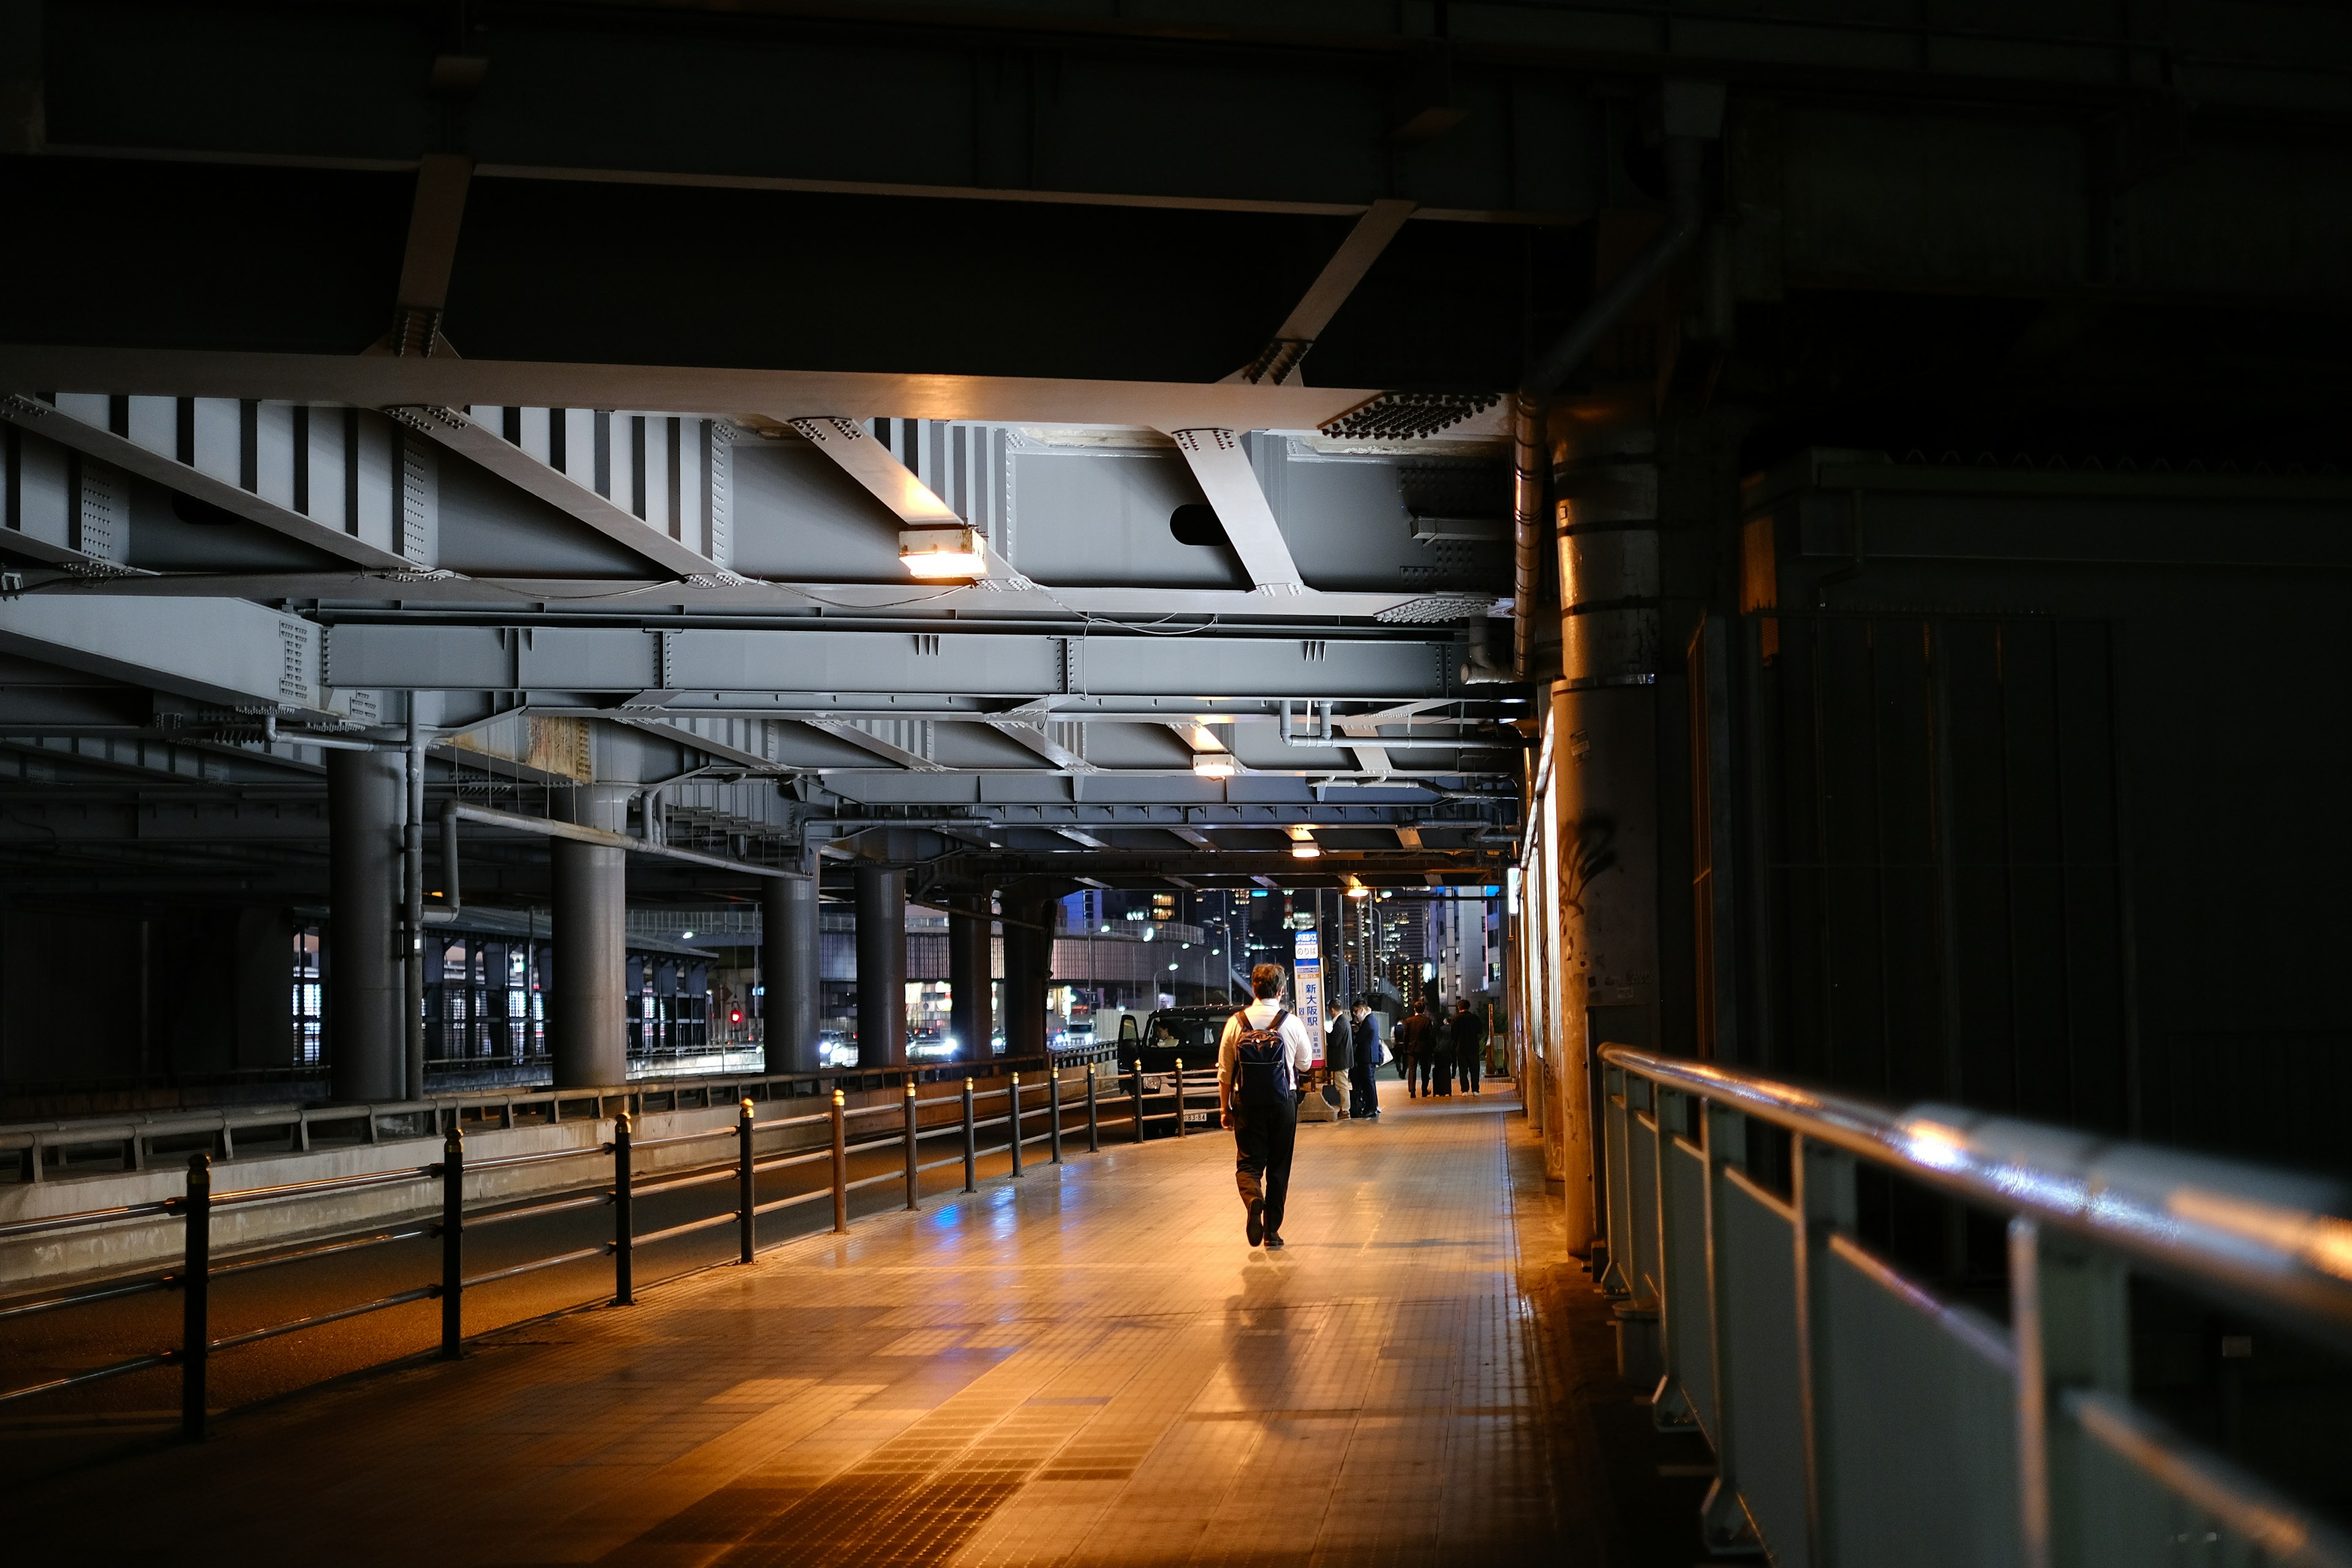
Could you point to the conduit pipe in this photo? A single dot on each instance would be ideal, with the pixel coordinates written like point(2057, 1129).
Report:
point(452, 904)
point(550, 828)
point(413, 906)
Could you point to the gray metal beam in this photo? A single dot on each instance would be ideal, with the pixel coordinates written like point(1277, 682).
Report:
point(221, 651)
point(385, 382)
point(461, 433)
point(764, 664)
point(132, 457)
point(1278, 360)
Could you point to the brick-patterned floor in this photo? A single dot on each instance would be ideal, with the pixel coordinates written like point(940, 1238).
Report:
point(1087, 1365)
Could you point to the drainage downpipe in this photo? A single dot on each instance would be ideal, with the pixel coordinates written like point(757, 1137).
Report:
point(453, 903)
point(1685, 213)
point(412, 909)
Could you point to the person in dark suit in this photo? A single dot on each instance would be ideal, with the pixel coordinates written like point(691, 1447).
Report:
point(1366, 1039)
point(1441, 1051)
point(1417, 1043)
point(1469, 1042)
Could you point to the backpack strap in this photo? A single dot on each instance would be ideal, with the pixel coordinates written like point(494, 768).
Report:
point(1281, 1016)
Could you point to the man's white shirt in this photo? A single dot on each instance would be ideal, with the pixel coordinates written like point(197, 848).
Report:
point(1301, 1046)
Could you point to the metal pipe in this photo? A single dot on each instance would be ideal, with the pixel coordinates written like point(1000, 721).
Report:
point(453, 903)
point(412, 838)
point(1325, 737)
point(2276, 1240)
point(577, 833)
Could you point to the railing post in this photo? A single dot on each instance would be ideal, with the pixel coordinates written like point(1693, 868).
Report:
point(1013, 1098)
point(745, 1238)
point(913, 1174)
point(970, 1144)
point(1180, 1097)
point(453, 1244)
point(1724, 1520)
point(1054, 1114)
point(1822, 1191)
point(623, 1231)
point(1094, 1122)
point(1138, 1091)
point(840, 1164)
point(2070, 1318)
point(195, 1297)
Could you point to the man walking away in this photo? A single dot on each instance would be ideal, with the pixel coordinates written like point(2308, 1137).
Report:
point(1469, 1043)
point(1366, 1042)
point(1263, 1057)
point(1339, 1058)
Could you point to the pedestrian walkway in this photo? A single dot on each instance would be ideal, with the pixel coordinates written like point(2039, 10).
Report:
point(1085, 1365)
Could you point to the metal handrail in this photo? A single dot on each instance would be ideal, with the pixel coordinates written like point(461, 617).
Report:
point(196, 1207)
point(2269, 1235)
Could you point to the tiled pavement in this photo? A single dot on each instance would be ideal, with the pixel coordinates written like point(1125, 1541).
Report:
point(1087, 1365)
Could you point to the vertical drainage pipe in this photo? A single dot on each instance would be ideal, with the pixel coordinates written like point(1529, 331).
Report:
point(413, 912)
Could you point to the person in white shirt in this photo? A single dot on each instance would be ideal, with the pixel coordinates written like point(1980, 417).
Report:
point(1263, 1057)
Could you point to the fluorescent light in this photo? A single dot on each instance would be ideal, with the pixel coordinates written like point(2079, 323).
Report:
point(1359, 891)
point(1305, 849)
point(1215, 765)
point(943, 553)
point(686, 936)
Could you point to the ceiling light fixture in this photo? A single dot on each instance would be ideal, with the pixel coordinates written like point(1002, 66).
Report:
point(933, 553)
point(1305, 849)
point(1213, 766)
point(1359, 891)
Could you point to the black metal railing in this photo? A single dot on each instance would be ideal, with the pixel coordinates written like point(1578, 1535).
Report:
point(1049, 1096)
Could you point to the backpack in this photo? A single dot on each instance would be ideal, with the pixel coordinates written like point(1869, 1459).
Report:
point(1263, 1062)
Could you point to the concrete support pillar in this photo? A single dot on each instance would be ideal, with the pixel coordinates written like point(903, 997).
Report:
point(589, 885)
point(788, 964)
point(972, 1018)
point(881, 966)
point(1028, 966)
point(365, 991)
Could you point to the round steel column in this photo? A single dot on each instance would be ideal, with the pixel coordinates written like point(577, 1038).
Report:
point(881, 966)
point(1028, 963)
point(590, 887)
point(365, 989)
point(788, 954)
point(970, 967)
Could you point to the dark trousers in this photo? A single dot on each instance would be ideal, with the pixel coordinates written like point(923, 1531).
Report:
point(1471, 1062)
point(1263, 1138)
point(1366, 1082)
point(1445, 1073)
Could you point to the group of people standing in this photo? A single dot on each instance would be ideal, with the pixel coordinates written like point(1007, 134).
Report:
point(1434, 1053)
point(1431, 1054)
